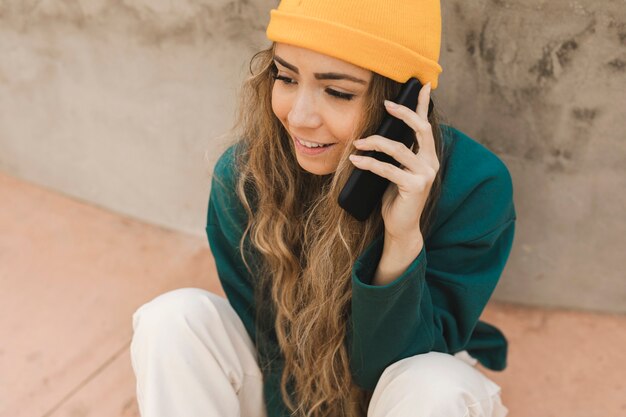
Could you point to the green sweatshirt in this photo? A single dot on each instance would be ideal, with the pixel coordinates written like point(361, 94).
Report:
point(435, 304)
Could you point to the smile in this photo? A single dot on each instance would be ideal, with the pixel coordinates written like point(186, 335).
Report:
point(312, 144)
point(311, 148)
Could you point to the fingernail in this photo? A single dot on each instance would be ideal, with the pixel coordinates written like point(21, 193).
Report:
point(428, 85)
point(355, 158)
point(391, 104)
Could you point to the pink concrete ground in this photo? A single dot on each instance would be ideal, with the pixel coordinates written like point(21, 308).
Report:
point(72, 274)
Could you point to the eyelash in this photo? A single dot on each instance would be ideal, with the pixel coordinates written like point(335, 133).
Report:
point(336, 94)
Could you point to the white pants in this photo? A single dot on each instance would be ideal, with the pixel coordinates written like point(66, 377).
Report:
point(192, 357)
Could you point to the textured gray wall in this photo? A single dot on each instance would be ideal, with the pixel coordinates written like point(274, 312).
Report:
point(116, 102)
point(543, 85)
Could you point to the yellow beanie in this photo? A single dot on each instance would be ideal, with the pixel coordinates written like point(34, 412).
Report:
point(395, 38)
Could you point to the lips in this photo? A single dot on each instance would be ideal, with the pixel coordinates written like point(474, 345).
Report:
point(304, 150)
point(312, 141)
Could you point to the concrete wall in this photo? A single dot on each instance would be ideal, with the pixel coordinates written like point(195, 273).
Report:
point(116, 103)
point(543, 84)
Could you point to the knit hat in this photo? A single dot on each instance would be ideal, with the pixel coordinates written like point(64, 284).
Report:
point(395, 38)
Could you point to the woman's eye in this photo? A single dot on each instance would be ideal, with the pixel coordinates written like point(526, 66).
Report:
point(284, 80)
point(344, 96)
point(337, 94)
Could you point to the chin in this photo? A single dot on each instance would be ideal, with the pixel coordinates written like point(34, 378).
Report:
point(316, 169)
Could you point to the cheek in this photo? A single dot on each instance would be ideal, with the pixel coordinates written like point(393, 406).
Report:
point(346, 126)
point(280, 107)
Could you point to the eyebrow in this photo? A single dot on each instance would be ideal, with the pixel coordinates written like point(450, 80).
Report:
point(321, 76)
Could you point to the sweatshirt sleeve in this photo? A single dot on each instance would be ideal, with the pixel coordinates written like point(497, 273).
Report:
point(224, 227)
point(435, 304)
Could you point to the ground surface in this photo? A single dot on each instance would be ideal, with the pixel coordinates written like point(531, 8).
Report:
point(72, 274)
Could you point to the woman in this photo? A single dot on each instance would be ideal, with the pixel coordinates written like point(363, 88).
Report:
point(326, 315)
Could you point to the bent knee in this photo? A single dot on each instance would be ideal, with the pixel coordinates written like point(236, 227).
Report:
point(168, 311)
point(438, 376)
point(436, 384)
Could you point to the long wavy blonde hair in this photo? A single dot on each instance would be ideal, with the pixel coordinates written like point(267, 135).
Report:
point(307, 245)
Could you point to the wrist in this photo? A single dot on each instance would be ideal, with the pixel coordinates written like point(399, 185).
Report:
point(404, 247)
point(396, 258)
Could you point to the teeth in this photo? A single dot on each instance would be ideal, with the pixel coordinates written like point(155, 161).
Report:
point(311, 144)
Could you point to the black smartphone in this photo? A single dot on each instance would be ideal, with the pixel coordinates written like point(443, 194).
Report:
point(364, 189)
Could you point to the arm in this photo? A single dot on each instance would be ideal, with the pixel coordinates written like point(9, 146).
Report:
point(396, 258)
point(435, 303)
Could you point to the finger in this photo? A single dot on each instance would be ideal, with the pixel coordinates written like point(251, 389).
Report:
point(393, 173)
point(397, 150)
point(423, 132)
point(423, 99)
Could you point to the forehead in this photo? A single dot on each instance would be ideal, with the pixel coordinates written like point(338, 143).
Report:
point(317, 62)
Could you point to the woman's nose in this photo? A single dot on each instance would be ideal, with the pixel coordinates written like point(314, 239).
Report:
point(304, 112)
